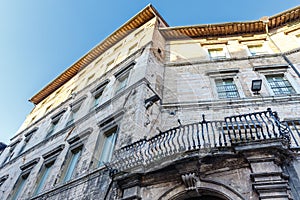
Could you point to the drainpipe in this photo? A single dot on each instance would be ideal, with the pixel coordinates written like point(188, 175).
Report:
point(265, 20)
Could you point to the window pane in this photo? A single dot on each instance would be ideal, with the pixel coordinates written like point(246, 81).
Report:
point(71, 118)
point(19, 187)
point(256, 50)
point(97, 98)
point(72, 165)
point(108, 148)
point(22, 148)
point(216, 53)
point(122, 82)
point(42, 181)
point(226, 89)
point(280, 85)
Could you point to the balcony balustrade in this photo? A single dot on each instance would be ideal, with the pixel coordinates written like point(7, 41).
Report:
point(206, 136)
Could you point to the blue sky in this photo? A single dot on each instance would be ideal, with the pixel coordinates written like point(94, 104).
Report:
point(39, 39)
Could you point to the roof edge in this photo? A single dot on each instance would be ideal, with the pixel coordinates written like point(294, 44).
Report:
point(96, 51)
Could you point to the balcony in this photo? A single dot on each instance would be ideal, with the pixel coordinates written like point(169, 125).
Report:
point(205, 137)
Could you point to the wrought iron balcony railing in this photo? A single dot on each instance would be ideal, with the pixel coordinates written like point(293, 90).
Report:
point(204, 135)
point(294, 129)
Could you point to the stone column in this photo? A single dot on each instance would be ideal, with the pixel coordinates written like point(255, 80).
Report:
point(265, 159)
point(130, 187)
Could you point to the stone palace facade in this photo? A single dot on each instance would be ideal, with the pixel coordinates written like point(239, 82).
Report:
point(156, 112)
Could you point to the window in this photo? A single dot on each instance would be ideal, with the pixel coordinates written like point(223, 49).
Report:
point(216, 53)
point(21, 182)
point(45, 174)
point(110, 63)
point(98, 91)
point(122, 77)
point(48, 108)
point(8, 157)
point(71, 117)
point(226, 88)
point(11, 152)
point(279, 84)
point(74, 110)
point(97, 98)
point(90, 78)
point(20, 186)
point(118, 47)
point(98, 61)
point(26, 140)
point(137, 33)
point(72, 91)
point(52, 127)
point(3, 179)
point(109, 128)
point(54, 123)
point(108, 145)
point(122, 82)
point(132, 48)
point(73, 160)
point(256, 50)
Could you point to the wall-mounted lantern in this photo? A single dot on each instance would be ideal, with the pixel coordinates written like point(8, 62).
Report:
point(256, 86)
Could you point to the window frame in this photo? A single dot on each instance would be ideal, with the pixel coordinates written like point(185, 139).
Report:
point(27, 136)
point(3, 179)
point(272, 70)
point(221, 74)
point(19, 186)
point(285, 80)
point(11, 152)
point(263, 48)
point(97, 93)
point(74, 109)
point(77, 144)
point(46, 172)
point(68, 174)
point(106, 126)
point(49, 161)
point(222, 49)
point(106, 134)
point(54, 123)
point(123, 76)
point(227, 91)
point(23, 177)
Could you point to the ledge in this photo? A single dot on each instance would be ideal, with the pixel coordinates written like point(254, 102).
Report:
point(270, 67)
point(180, 64)
point(231, 103)
point(259, 144)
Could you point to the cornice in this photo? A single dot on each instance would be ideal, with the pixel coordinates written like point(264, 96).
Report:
point(135, 22)
point(149, 12)
point(232, 28)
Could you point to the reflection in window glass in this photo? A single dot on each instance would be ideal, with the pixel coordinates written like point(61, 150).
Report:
point(122, 83)
point(280, 85)
point(256, 50)
point(45, 175)
point(216, 53)
point(108, 146)
point(20, 187)
point(72, 165)
point(226, 89)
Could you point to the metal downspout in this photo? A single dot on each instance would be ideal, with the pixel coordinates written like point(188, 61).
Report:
point(265, 20)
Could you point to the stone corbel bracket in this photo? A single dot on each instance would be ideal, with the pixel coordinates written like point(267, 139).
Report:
point(191, 181)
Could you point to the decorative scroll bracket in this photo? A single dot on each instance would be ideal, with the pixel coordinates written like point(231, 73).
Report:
point(191, 181)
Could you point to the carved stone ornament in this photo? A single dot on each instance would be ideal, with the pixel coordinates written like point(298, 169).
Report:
point(191, 181)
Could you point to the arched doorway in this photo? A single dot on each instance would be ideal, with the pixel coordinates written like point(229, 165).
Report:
point(207, 191)
point(205, 197)
point(202, 195)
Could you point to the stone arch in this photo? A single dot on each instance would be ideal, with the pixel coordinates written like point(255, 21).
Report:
point(206, 189)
